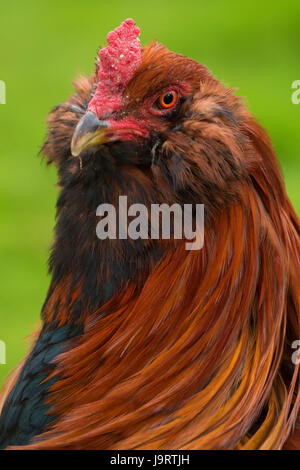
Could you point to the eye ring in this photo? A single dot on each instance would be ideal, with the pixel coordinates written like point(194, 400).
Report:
point(168, 99)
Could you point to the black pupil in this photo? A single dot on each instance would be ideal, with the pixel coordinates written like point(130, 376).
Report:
point(168, 98)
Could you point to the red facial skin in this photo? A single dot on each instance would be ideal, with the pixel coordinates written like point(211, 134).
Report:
point(126, 130)
point(147, 119)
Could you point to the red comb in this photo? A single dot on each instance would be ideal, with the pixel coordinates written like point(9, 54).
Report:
point(117, 64)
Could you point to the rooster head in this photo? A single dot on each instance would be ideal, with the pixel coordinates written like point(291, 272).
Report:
point(169, 111)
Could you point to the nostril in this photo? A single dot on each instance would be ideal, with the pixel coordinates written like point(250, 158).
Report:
point(88, 123)
point(103, 124)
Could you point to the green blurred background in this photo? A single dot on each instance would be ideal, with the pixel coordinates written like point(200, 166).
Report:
point(251, 45)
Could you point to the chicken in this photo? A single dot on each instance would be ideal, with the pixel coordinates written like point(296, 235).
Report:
point(145, 344)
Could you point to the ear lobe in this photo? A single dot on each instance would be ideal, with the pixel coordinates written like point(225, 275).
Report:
point(62, 121)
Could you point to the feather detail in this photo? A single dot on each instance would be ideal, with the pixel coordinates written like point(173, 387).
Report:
point(202, 371)
point(146, 345)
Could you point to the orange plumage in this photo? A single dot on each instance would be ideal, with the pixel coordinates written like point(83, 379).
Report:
point(170, 349)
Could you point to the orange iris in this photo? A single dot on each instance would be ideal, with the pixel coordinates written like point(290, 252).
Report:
point(167, 100)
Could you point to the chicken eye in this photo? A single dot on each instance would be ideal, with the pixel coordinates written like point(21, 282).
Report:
point(168, 100)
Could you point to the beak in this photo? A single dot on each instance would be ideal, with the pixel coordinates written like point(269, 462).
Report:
point(90, 132)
